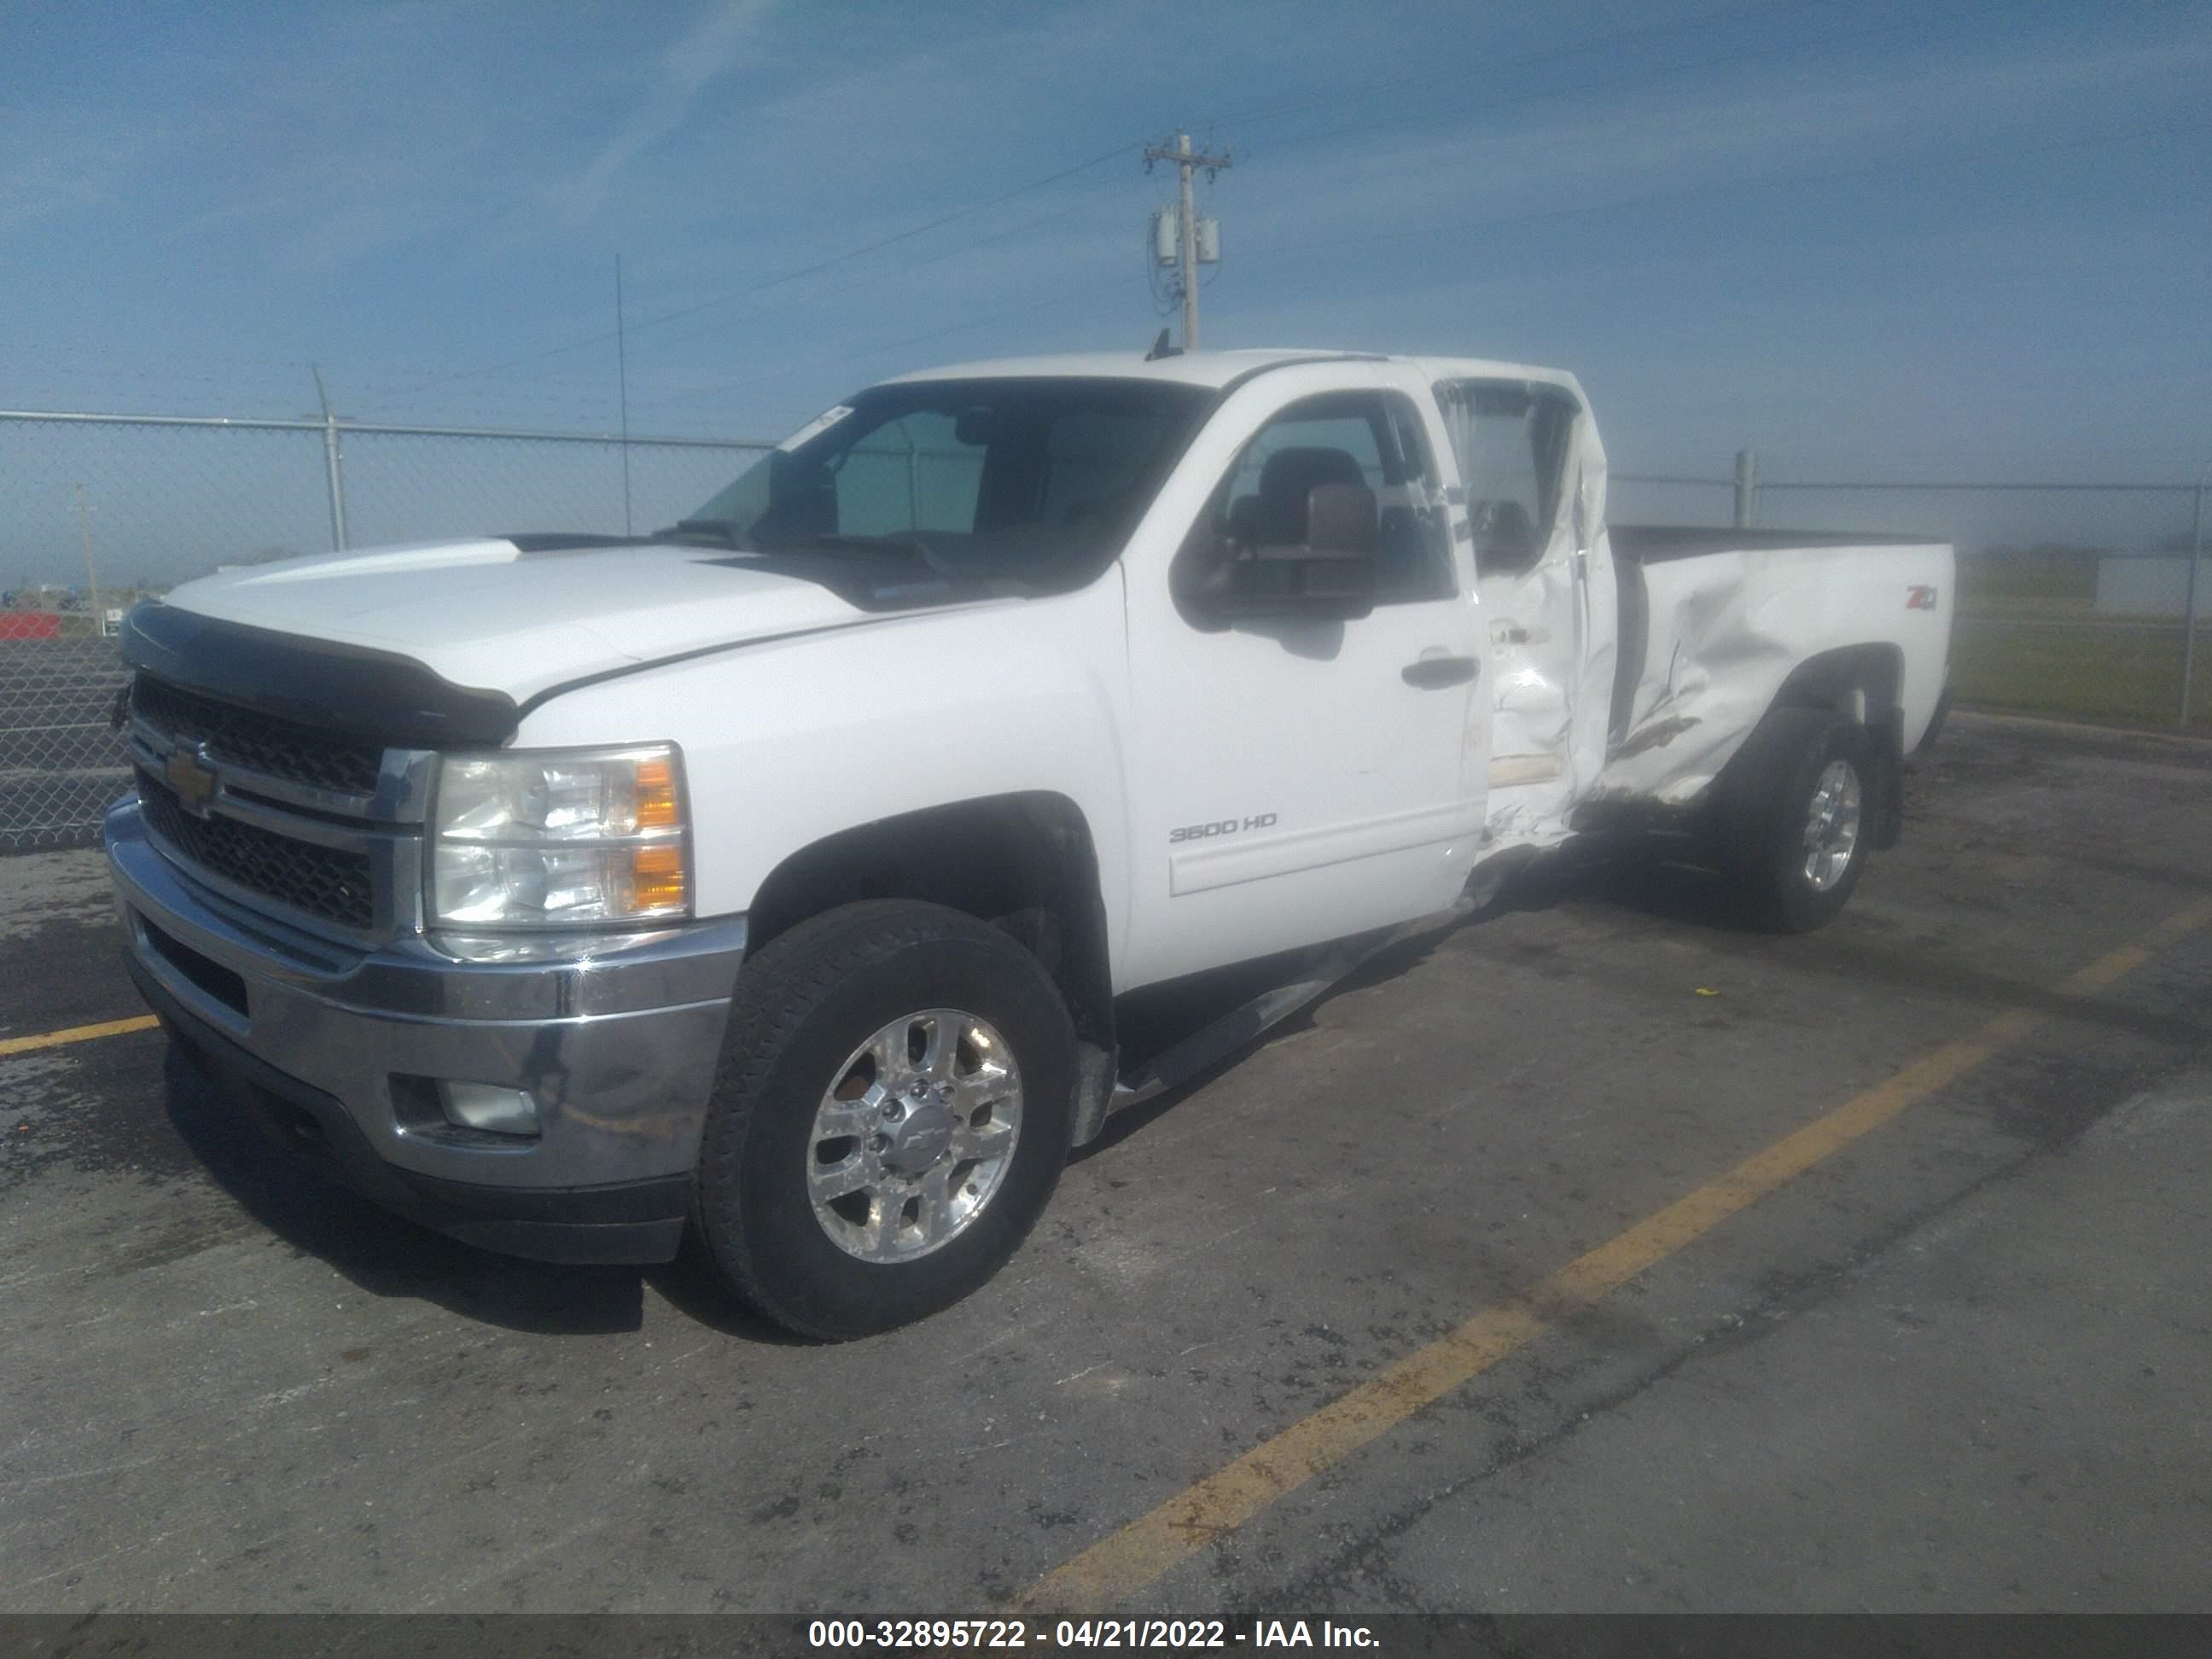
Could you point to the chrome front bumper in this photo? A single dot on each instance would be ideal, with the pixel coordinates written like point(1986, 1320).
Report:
point(618, 1051)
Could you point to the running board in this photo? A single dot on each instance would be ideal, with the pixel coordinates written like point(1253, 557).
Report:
point(1213, 1043)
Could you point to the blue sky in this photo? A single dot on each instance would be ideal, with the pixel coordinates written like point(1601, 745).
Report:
point(1942, 239)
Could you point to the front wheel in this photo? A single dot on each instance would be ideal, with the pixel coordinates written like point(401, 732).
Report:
point(1794, 821)
point(892, 1111)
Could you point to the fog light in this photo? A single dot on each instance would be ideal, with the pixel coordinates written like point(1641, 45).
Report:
point(491, 1110)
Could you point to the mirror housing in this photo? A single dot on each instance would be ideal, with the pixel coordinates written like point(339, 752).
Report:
point(1294, 582)
point(1330, 579)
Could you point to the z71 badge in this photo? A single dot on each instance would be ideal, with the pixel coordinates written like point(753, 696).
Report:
point(1220, 827)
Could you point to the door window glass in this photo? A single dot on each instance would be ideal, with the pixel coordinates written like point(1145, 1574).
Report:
point(1511, 440)
point(1363, 438)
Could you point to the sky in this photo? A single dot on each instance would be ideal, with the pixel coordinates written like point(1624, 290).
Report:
point(1868, 238)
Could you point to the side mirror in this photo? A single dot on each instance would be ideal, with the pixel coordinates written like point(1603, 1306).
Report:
point(1331, 578)
point(1342, 520)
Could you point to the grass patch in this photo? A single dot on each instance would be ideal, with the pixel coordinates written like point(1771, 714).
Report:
point(2043, 573)
point(2096, 676)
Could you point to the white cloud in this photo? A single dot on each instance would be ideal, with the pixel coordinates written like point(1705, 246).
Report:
point(708, 50)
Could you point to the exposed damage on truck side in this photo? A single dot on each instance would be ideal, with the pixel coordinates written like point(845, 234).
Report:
point(1719, 628)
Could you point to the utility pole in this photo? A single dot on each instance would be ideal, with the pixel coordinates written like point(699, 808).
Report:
point(91, 576)
point(1187, 162)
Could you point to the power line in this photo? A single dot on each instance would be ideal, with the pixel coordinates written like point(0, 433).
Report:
point(959, 250)
point(798, 272)
point(1119, 285)
point(881, 348)
point(1365, 95)
point(582, 343)
point(1705, 21)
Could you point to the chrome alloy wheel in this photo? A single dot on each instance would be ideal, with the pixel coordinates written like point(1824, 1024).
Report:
point(1832, 825)
point(914, 1135)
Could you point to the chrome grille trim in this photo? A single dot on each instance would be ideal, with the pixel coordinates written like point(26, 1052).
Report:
point(384, 827)
point(403, 785)
point(271, 744)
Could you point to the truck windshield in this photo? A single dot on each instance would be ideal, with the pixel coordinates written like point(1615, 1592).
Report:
point(1035, 481)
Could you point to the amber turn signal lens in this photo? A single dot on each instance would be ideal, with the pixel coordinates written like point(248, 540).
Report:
point(655, 879)
point(657, 806)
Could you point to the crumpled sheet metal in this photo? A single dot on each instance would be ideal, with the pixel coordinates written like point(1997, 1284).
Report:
point(1712, 670)
point(1727, 629)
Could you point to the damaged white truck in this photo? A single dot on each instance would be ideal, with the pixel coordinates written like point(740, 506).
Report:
point(774, 879)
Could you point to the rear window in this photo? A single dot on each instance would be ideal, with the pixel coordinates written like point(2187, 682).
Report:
point(1511, 439)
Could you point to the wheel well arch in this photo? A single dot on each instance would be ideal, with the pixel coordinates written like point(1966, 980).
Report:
point(1024, 862)
point(1866, 681)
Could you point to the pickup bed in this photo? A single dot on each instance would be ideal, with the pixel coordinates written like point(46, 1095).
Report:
point(778, 878)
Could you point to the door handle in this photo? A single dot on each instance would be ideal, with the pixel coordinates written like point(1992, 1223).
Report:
point(1434, 674)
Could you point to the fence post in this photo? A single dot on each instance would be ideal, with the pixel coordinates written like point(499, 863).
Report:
point(1747, 489)
point(91, 572)
point(334, 474)
point(2189, 605)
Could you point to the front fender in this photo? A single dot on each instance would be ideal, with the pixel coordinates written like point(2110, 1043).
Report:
point(789, 741)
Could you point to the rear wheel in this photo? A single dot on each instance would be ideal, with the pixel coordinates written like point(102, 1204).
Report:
point(1794, 821)
point(892, 1112)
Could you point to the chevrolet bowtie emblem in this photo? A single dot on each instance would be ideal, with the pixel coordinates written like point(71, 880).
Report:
point(193, 778)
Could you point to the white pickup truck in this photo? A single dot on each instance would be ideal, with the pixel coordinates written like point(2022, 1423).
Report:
point(775, 877)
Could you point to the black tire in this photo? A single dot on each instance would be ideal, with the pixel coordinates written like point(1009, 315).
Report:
point(1766, 800)
point(803, 1005)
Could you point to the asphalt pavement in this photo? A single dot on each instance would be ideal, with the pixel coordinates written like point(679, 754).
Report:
point(1600, 1255)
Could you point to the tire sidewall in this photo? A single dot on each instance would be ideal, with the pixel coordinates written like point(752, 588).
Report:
point(803, 1277)
point(1796, 903)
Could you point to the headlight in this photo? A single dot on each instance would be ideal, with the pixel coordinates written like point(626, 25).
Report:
point(560, 838)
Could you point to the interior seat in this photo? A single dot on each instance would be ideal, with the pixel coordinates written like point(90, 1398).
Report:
point(1279, 515)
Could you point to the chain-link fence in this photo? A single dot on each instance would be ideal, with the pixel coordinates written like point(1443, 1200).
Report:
point(2070, 596)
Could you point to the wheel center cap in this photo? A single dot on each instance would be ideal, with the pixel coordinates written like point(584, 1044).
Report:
point(919, 1138)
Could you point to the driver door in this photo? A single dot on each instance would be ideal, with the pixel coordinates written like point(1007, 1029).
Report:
point(1299, 779)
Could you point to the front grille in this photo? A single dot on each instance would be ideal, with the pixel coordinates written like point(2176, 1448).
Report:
point(259, 742)
point(323, 881)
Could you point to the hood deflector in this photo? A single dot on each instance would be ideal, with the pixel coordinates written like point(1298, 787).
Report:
point(345, 688)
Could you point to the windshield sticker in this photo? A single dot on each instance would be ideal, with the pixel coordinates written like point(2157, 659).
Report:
point(819, 424)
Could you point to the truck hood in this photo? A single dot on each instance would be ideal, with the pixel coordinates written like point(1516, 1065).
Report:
point(486, 614)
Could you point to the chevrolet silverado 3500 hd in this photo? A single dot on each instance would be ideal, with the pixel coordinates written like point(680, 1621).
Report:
point(774, 877)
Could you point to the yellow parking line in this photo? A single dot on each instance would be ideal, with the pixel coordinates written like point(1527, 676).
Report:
point(1119, 1565)
point(73, 1034)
